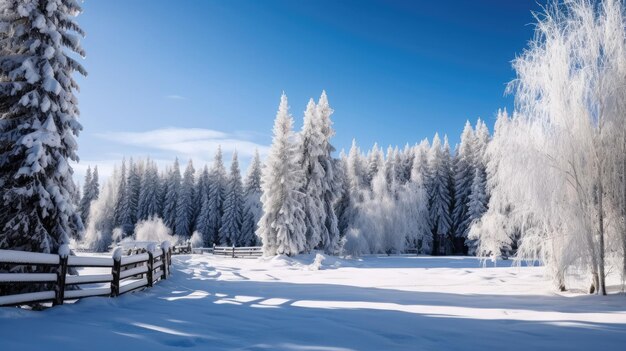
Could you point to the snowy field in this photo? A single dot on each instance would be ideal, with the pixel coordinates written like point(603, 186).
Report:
point(374, 303)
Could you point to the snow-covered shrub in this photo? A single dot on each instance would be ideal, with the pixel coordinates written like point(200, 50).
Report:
point(196, 239)
point(154, 230)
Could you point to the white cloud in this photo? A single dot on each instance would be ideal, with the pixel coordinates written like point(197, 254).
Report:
point(163, 145)
point(189, 142)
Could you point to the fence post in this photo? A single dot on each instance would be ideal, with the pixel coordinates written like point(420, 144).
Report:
point(64, 252)
point(150, 274)
point(233, 251)
point(115, 272)
point(167, 258)
point(213, 249)
point(164, 263)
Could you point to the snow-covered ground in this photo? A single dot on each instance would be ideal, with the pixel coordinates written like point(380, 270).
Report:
point(374, 303)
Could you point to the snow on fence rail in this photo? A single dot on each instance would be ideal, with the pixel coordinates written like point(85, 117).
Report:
point(128, 273)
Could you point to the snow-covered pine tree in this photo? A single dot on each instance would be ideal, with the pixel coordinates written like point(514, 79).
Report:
point(464, 168)
point(217, 188)
point(95, 183)
point(203, 223)
point(356, 173)
point(202, 188)
point(85, 201)
point(184, 206)
point(230, 230)
point(390, 167)
point(170, 203)
point(281, 227)
point(476, 207)
point(439, 197)
point(481, 141)
point(343, 206)
point(330, 239)
point(91, 191)
point(148, 204)
point(38, 123)
point(414, 201)
point(375, 162)
point(311, 151)
point(252, 202)
point(407, 156)
point(131, 198)
point(119, 198)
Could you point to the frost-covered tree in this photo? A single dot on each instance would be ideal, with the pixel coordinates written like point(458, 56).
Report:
point(414, 203)
point(38, 123)
point(170, 202)
point(281, 227)
point(354, 176)
point(184, 206)
point(311, 139)
point(375, 162)
point(252, 202)
point(330, 181)
point(495, 232)
point(555, 166)
point(439, 197)
point(217, 189)
point(230, 230)
point(321, 184)
point(99, 234)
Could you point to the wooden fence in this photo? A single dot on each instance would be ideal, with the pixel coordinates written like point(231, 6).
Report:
point(128, 273)
point(182, 249)
point(249, 251)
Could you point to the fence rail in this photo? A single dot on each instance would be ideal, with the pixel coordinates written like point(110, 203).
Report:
point(128, 273)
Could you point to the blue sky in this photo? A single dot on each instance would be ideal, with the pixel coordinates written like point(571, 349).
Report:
point(173, 78)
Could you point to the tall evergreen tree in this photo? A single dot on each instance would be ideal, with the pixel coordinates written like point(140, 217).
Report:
point(170, 203)
point(375, 162)
point(38, 123)
point(85, 201)
point(344, 204)
point(463, 176)
point(202, 188)
point(131, 198)
point(230, 231)
point(90, 193)
point(118, 209)
point(217, 187)
point(184, 206)
point(252, 202)
point(439, 195)
point(148, 204)
point(476, 207)
point(203, 224)
point(331, 183)
point(311, 151)
point(282, 226)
